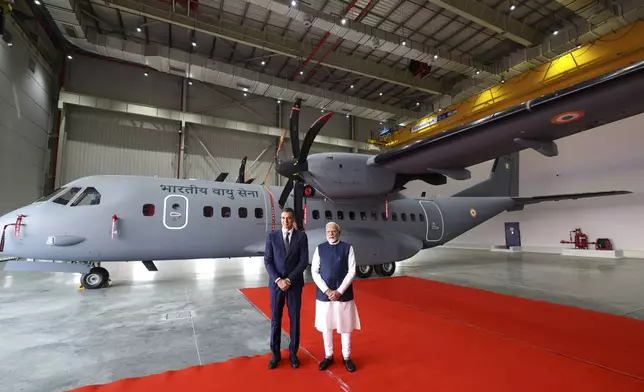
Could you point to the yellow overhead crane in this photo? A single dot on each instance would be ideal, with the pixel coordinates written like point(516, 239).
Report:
point(609, 53)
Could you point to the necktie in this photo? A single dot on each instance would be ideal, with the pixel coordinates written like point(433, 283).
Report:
point(286, 241)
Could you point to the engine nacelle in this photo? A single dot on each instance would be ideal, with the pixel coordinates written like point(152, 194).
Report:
point(346, 175)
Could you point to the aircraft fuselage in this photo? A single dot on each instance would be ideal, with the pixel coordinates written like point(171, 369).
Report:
point(171, 219)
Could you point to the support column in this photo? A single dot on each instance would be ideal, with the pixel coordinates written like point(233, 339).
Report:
point(277, 143)
point(182, 130)
point(60, 149)
point(352, 131)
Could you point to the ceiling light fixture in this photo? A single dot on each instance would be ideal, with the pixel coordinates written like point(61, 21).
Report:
point(138, 29)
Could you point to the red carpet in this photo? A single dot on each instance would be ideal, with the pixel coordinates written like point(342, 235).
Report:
point(424, 335)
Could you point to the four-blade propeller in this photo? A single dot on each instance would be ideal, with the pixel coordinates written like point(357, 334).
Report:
point(298, 165)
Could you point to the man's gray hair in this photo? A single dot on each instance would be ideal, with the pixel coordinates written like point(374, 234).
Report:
point(332, 223)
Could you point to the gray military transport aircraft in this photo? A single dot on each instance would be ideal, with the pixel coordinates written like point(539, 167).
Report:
point(105, 218)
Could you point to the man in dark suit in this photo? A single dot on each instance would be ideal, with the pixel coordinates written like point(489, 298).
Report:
point(286, 257)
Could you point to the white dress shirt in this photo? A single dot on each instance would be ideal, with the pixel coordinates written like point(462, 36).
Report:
point(290, 239)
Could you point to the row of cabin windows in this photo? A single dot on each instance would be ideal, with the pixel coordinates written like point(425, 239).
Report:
point(242, 212)
point(328, 215)
point(209, 212)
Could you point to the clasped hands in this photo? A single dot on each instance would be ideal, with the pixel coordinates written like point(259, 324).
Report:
point(333, 295)
point(284, 284)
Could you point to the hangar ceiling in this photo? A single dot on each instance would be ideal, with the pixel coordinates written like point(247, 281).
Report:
point(384, 60)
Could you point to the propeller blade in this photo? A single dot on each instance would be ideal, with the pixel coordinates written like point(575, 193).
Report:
point(284, 196)
point(294, 127)
point(242, 171)
point(310, 136)
point(298, 205)
point(221, 177)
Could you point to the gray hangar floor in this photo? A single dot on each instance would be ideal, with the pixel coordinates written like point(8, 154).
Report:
point(55, 337)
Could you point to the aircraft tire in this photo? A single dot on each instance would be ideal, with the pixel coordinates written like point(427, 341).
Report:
point(386, 269)
point(364, 271)
point(96, 278)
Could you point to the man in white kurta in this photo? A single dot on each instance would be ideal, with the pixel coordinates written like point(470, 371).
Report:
point(333, 268)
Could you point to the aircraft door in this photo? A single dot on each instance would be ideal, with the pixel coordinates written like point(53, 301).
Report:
point(175, 212)
point(434, 221)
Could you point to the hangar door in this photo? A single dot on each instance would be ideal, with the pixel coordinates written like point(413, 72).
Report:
point(101, 142)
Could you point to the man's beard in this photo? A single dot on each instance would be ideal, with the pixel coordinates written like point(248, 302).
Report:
point(332, 240)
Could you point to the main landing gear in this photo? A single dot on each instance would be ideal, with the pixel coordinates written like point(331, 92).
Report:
point(97, 278)
point(365, 271)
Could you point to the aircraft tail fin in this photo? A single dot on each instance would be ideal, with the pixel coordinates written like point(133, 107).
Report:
point(503, 180)
point(521, 201)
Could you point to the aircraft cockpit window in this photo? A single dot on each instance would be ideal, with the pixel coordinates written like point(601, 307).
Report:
point(208, 211)
point(341, 215)
point(374, 215)
point(352, 215)
point(66, 196)
point(413, 217)
point(225, 212)
point(259, 213)
point(50, 195)
point(403, 216)
point(421, 217)
point(394, 216)
point(363, 215)
point(327, 215)
point(316, 214)
point(243, 212)
point(89, 197)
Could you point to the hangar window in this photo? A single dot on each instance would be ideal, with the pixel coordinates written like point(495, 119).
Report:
point(363, 215)
point(89, 197)
point(403, 216)
point(421, 217)
point(148, 210)
point(259, 213)
point(352, 215)
point(341, 215)
point(67, 196)
point(328, 215)
point(413, 217)
point(316, 214)
point(225, 212)
point(243, 212)
point(208, 211)
point(384, 216)
point(374, 215)
point(394, 216)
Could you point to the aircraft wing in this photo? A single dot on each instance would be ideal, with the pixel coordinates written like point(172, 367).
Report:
point(570, 196)
point(533, 124)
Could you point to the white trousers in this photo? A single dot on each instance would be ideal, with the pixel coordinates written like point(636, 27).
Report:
point(327, 336)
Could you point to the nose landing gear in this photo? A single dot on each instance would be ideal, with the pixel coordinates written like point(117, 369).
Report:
point(97, 277)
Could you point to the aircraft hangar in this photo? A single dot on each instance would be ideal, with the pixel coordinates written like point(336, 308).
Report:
point(534, 105)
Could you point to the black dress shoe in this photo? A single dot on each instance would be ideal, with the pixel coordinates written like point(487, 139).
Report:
point(349, 365)
point(295, 363)
point(273, 363)
point(325, 363)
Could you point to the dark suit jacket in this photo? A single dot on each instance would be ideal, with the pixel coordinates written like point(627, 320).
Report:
point(290, 264)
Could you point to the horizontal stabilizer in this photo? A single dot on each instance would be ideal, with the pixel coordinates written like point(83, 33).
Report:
point(570, 196)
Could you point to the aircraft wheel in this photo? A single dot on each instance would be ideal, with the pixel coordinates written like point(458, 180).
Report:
point(364, 271)
point(386, 269)
point(96, 278)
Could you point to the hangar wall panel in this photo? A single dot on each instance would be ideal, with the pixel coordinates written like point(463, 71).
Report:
point(122, 82)
point(25, 122)
point(100, 142)
point(228, 148)
point(605, 158)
